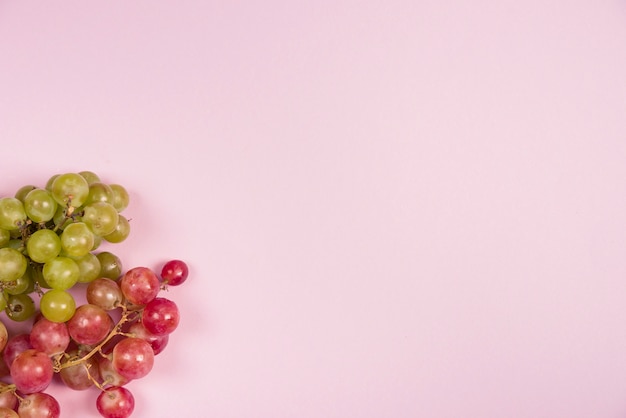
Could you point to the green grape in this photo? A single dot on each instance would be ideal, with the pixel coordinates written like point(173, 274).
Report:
point(99, 192)
point(13, 264)
point(90, 176)
point(97, 240)
point(23, 191)
point(70, 189)
point(3, 302)
point(57, 305)
point(77, 239)
point(39, 205)
point(5, 237)
point(101, 217)
point(37, 276)
point(16, 244)
point(89, 267)
point(30, 276)
point(20, 307)
point(24, 284)
point(120, 197)
point(61, 273)
point(43, 245)
point(12, 213)
point(121, 232)
point(50, 181)
point(110, 265)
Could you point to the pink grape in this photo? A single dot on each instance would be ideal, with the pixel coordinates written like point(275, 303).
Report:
point(4, 369)
point(157, 342)
point(8, 413)
point(174, 272)
point(160, 316)
point(4, 336)
point(108, 375)
point(105, 293)
point(32, 371)
point(39, 405)
point(115, 402)
point(133, 358)
point(8, 400)
point(79, 376)
point(89, 325)
point(140, 285)
point(15, 345)
point(49, 337)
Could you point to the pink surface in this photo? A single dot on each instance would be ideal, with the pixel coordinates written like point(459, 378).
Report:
point(390, 209)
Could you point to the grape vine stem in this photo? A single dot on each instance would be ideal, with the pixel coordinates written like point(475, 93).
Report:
point(117, 330)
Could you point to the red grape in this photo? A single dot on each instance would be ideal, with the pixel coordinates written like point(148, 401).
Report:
point(79, 376)
point(39, 405)
point(15, 345)
point(4, 369)
point(174, 272)
point(133, 358)
point(157, 342)
point(32, 371)
point(161, 316)
point(108, 375)
point(105, 293)
point(4, 336)
point(140, 285)
point(89, 325)
point(49, 337)
point(8, 413)
point(8, 399)
point(115, 402)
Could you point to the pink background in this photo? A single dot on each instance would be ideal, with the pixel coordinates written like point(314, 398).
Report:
point(390, 209)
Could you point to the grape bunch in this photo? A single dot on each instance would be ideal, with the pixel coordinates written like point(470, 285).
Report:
point(49, 237)
point(49, 250)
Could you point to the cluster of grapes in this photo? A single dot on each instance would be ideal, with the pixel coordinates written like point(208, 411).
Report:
point(48, 246)
point(48, 239)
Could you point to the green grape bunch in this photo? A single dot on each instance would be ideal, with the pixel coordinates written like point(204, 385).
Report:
point(49, 240)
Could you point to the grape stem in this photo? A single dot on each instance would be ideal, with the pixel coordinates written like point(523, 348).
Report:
point(5, 387)
point(69, 210)
point(127, 315)
point(94, 380)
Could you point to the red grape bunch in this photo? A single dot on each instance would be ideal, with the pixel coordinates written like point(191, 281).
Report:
point(49, 250)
